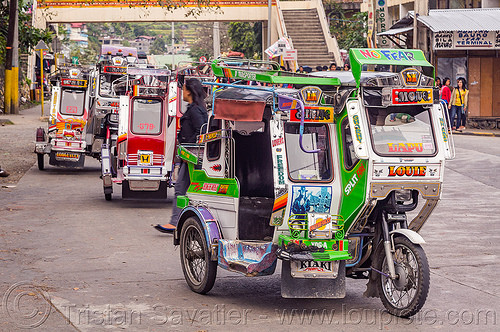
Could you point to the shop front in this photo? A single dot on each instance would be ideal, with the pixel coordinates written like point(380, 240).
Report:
point(466, 43)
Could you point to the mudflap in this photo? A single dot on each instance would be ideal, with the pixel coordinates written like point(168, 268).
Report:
point(312, 288)
point(161, 193)
point(77, 163)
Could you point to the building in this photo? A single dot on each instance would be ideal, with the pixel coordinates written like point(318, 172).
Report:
point(460, 38)
point(143, 43)
point(77, 32)
point(111, 41)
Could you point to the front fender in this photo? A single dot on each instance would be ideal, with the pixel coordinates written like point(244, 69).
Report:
point(413, 236)
point(208, 222)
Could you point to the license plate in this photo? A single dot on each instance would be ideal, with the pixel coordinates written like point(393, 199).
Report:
point(65, 156)
point(313, 269)
point(145, 158)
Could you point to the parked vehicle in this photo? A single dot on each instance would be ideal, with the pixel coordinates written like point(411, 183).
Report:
point(111, 82)
point(141, 157)
point(321, 176)
point(64, 141)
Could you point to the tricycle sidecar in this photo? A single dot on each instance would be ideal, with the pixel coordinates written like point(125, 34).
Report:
point(64, 141)
point(142, 159)
point(320, 176)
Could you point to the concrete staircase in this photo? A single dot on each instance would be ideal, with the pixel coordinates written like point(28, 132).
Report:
point(304, 28)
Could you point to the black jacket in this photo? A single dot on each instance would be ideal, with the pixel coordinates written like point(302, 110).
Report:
point(191, 122)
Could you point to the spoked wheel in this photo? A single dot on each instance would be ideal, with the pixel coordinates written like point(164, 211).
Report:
point(41, 161)
point(405, 295)
point(199, 270)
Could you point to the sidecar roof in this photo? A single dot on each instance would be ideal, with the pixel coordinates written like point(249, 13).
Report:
point(252, 95)
point(347, 78)
point(239, 104)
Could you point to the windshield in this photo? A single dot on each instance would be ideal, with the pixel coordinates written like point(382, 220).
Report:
point(112, 85)
point(146, 116)
point(304, 166)
point(402, 131)
point(72, 102)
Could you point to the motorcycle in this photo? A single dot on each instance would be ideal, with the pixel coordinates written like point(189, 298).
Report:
point(140, 158)
point(323, 176)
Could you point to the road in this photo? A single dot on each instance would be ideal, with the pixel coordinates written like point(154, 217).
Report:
point(93, 265)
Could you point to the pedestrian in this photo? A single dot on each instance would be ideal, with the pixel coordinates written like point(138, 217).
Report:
point(301, 70)
point(347, 67)
point(325, 68)
point(438, 84)
point(319, 68)
point(445, 94)
point(458, 103)
point(333, 67)
point(190, 122)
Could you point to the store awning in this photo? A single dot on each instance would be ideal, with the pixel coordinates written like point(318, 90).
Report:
point(480, 19)
point(392, 32)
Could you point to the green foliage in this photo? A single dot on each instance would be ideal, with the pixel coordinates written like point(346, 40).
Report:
point(158, 46)
point(349, 28)
point(203, 45)
point(28, 35)
point(246, 38)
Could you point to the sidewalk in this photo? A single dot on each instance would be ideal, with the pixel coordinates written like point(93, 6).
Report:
point(17, 137)
point(478, 132)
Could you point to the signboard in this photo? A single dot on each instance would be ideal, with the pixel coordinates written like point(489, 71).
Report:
point(147, 3)
point(371, 23)
point(71, 82)
point(203, 58)
point(289, 55)
point(115, 70)
point(466, 40)
point(383, 22)
point(412, 96)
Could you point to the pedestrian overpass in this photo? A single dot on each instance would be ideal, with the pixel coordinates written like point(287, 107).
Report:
point(101, 11)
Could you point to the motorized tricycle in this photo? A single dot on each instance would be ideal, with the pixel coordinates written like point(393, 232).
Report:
point(64, 141)
point(323, 176)
point(110, 82)
point(141, 160)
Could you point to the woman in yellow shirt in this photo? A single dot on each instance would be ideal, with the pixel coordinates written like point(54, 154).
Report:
point(458, 104)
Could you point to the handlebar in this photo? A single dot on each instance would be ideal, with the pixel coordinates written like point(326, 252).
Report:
point(301, 129)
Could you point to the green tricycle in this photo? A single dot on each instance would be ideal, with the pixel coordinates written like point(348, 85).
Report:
point(324, 172)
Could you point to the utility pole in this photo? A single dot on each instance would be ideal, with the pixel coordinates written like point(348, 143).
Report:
point(173, 46)
point(11, 88)
point(216, 34)
point(269, 13)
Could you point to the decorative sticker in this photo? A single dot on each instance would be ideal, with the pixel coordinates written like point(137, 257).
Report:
point(318, 114)
point(397, 172)
point(353, 181)
point(216, 167)
point(307, 199)
point(387, 54)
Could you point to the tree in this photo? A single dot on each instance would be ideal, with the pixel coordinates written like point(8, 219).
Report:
point(158, 46)
point(203, 46)
point(350, 30)
point(28, 35)
point(246, 38)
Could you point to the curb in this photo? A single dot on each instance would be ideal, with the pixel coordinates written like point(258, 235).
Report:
point(477, 133)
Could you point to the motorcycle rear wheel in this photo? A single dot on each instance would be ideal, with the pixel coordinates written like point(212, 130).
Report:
point(405, 295)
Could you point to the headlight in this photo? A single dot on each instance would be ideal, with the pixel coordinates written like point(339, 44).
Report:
point(403, 195)
point(113, 117)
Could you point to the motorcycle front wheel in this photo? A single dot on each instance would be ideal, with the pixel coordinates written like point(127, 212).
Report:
point(405, 295)
point(199, 270)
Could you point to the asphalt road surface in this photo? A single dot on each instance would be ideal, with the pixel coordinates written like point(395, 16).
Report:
point(71, 261)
